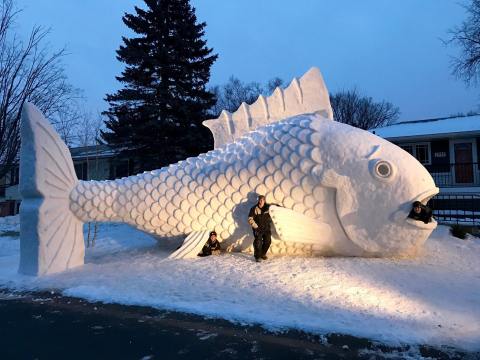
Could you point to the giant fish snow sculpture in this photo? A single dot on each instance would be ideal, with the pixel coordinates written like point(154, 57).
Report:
point(342, 190)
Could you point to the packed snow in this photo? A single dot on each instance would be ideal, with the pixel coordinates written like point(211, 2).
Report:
point(431, 299)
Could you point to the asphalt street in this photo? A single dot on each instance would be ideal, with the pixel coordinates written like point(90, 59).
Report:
point(51, 326)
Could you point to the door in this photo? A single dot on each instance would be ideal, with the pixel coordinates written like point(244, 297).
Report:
point(463, 152)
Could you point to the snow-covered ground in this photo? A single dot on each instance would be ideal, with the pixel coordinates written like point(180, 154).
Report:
point(432, 299)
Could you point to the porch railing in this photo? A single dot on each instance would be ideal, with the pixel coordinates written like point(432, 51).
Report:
point(455, 175)
point(456, 208)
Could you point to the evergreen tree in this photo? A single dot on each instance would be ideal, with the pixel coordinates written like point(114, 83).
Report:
point(156, 117)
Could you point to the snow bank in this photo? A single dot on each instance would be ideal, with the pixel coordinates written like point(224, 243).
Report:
point(9, 222)
point(432, 299)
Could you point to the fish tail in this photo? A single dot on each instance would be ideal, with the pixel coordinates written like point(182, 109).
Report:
point(51, 236)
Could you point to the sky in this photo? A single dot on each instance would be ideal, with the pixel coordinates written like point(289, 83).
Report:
point(389, 50)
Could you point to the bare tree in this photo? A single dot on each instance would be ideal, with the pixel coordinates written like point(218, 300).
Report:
point(231, 95)
point(351, 108)
point(28, 72)
point(68, 122)
point(467, 37)
point(235, 92)
point(88, 134)
point(89, 128)
point(272, 84)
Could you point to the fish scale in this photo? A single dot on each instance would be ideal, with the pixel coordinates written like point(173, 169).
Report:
point(201, 193)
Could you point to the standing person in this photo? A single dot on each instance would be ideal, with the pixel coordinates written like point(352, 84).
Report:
point(212, 246)
point(420, 212)
point(260, 221)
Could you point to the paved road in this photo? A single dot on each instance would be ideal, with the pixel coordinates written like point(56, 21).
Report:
point(49, 326)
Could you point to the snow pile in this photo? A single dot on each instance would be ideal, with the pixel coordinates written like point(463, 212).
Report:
point(8, 222)
point(432, 299)
point(9, 240)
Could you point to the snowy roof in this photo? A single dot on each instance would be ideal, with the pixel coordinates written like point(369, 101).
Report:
point(92, 151)
point(83, 152)
point(432, 128)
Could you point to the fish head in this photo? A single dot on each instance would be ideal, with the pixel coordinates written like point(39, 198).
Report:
point(376, 183)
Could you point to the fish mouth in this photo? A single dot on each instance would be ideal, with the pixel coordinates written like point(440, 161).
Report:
point(426, 195)
point(421, 225)
point(424, 198)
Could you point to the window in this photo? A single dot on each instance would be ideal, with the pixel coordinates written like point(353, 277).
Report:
point(81, 169)
point(408, 148)
point(421, 151)
point(14, 176)
point(121, 169)
point(12, 207)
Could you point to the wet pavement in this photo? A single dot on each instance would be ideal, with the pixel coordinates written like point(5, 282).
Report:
point(50, 326)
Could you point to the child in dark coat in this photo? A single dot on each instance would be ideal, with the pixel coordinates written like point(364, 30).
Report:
point(212, 246)
point(420, 212)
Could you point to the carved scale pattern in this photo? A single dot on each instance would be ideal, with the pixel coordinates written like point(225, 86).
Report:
point(207, 192)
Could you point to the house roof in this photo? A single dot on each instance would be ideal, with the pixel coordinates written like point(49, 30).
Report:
point(84, 152)
point(432, 128)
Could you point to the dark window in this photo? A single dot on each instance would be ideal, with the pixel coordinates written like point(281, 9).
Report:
point(122, 169)
point(81, 169)
point(408, 148)
point(14, 175)
point(12, 208)
point(421, 151)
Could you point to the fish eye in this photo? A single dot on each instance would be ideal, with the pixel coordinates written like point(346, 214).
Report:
point(382, 170)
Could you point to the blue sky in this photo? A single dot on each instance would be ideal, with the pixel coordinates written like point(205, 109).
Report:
point(388, 49)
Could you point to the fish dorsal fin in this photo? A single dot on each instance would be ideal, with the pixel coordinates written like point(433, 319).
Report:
point(305, 95)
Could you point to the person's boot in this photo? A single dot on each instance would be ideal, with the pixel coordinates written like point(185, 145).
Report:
point(264, 257)
point(258, 259)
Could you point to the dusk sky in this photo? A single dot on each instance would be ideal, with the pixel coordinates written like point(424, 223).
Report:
point(389, 50)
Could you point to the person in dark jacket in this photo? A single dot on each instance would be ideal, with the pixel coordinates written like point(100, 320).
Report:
point(260, 221)
point(420, 212)
point(212, 246)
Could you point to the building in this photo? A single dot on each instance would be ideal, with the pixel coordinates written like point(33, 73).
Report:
point(9, 199)
point(449, 148)
point(96, 162)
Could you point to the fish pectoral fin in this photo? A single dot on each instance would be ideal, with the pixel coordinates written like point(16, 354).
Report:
point(292, 226)
point(191, 246)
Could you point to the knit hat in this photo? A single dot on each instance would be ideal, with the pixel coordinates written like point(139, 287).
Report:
point(213, 233)
point(417, 204)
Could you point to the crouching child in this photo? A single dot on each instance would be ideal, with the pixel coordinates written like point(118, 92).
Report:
point(212, 246)
point(420, 212)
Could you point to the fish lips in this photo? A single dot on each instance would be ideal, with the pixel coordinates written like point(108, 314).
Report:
point(401, 216)
point(426, 196)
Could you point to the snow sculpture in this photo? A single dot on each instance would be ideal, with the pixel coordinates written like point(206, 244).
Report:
point(51, 238)
point(343, 191)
